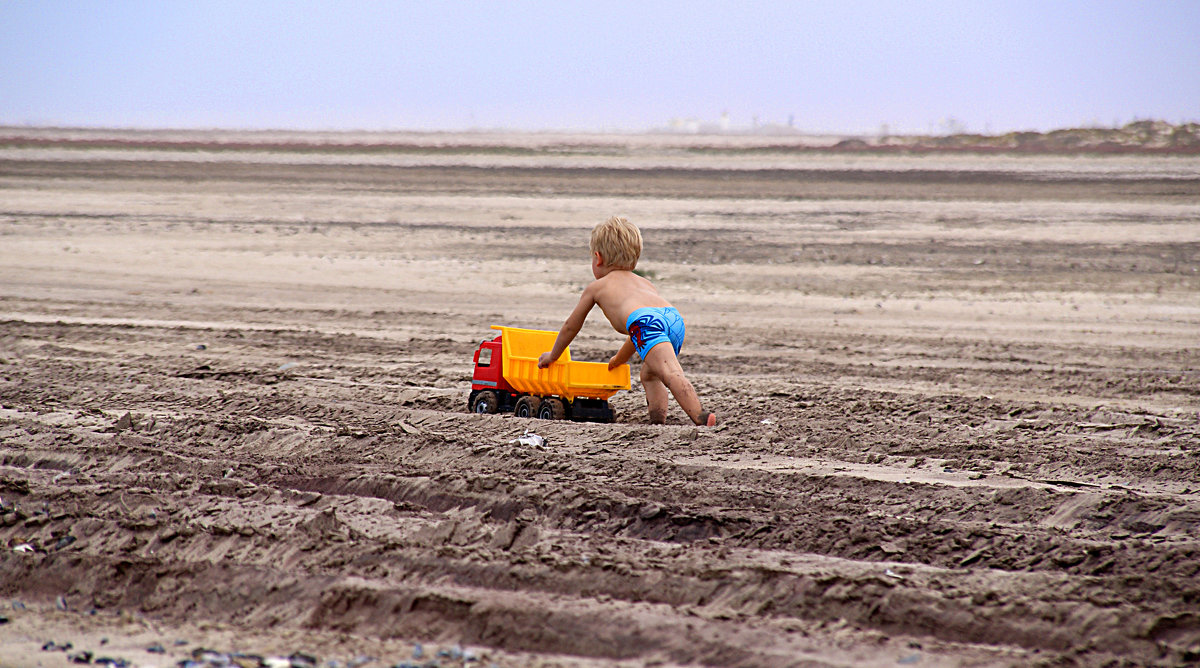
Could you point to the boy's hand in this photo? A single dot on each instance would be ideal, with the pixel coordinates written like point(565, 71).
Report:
point(545, 360)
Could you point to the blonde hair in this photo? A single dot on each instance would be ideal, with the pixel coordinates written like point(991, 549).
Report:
point(618, 241)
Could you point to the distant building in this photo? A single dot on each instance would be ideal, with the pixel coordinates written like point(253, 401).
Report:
point(724, 125)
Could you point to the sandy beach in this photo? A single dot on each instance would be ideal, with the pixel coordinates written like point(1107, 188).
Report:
point(959, 393)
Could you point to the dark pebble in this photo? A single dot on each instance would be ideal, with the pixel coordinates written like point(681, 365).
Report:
point(82, 657)
point(3, 619)
point(156, 649)
point(63, 542)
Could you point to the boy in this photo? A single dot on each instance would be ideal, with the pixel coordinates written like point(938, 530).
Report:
point(634, 307)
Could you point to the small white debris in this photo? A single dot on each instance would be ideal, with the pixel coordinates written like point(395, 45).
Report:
point(530, 438)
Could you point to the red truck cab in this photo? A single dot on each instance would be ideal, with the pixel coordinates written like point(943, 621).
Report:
point(489, 391)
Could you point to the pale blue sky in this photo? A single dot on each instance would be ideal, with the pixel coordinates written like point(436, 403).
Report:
point(832, 66)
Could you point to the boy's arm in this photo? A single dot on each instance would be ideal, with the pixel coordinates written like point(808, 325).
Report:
point(622, 355)
point(570, 328)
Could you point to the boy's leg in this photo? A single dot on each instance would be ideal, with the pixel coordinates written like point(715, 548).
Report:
point(661, 371)
point(656, 395)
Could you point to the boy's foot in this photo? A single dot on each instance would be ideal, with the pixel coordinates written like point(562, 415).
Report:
point(708, 419)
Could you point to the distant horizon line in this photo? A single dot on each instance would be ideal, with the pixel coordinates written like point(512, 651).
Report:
point(951, 128)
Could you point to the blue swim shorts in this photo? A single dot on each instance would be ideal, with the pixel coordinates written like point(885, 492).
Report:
point(650, 326)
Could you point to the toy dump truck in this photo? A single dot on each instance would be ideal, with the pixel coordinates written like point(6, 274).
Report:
point(507, 378)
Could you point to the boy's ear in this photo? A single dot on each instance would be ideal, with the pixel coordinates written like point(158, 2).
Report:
point(599, 257)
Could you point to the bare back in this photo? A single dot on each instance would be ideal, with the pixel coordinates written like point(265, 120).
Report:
point(622, 292)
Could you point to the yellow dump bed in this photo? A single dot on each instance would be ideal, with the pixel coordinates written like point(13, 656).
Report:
point(564, 378)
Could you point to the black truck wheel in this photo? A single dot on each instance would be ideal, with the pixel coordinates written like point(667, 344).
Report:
point(552, 409)
point(485, 402)
point(527, 406)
